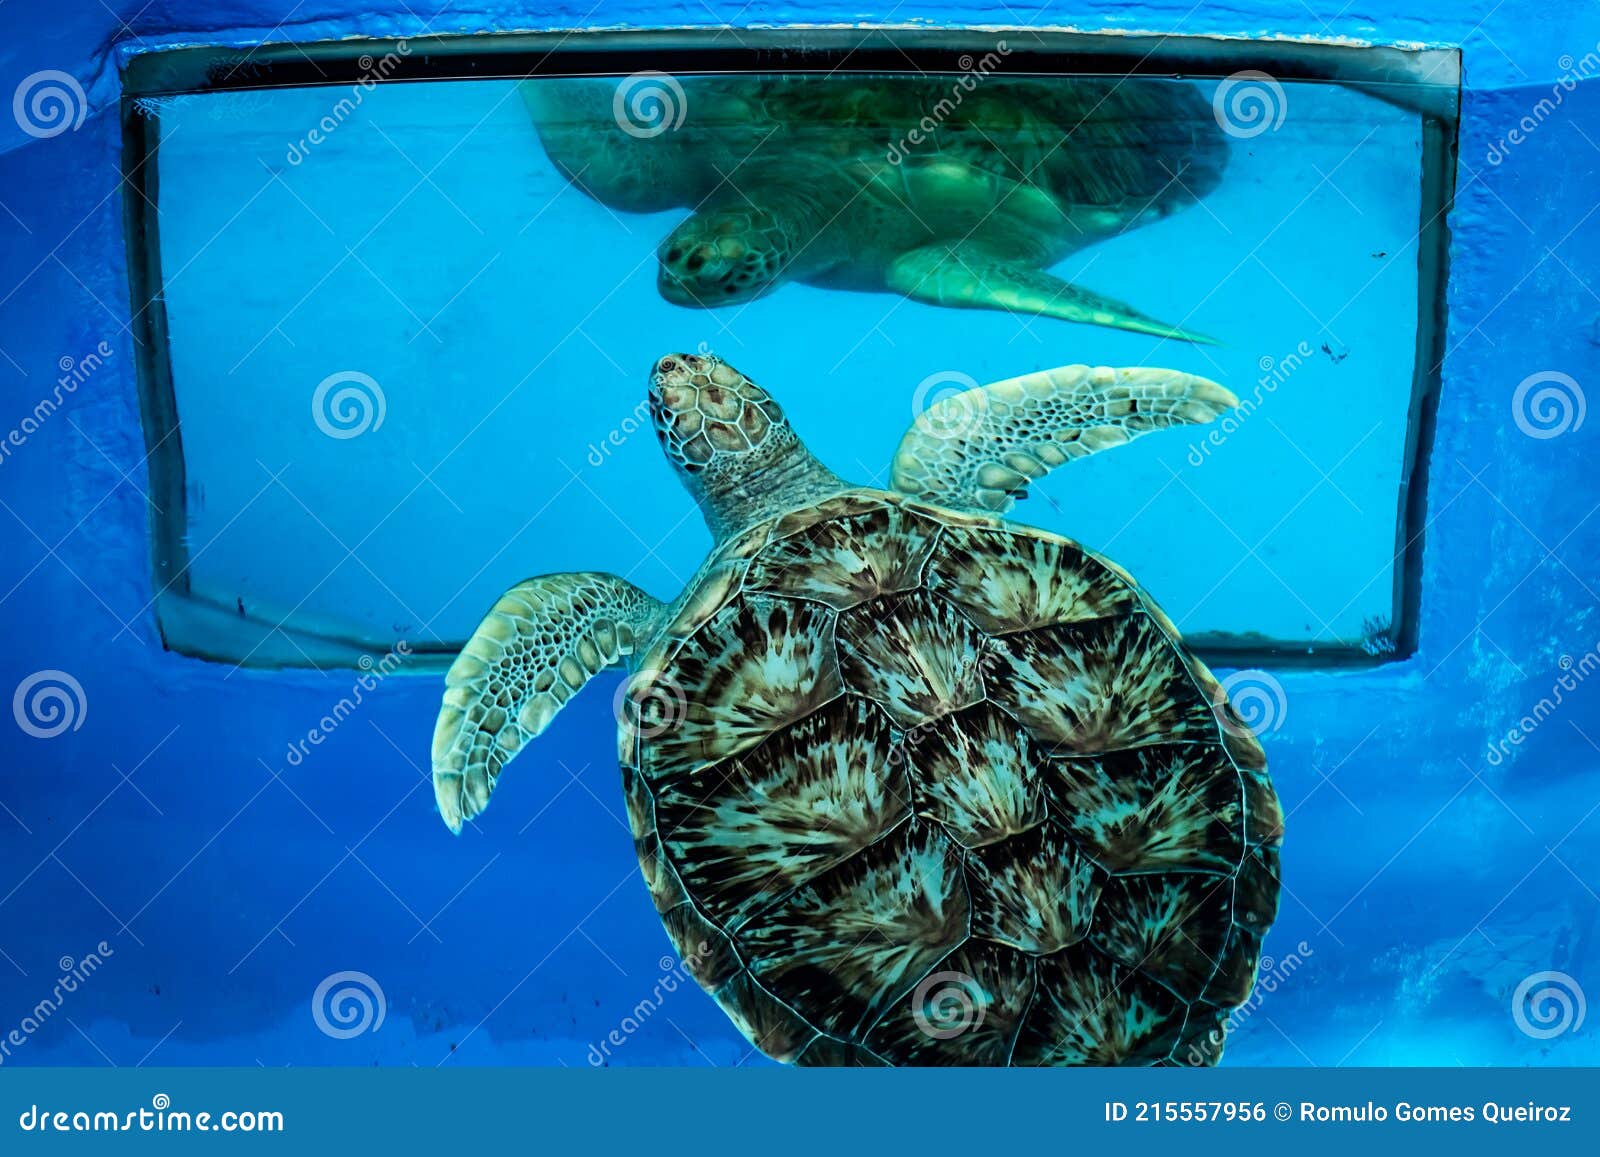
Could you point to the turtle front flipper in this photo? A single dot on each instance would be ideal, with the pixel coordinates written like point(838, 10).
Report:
point(972, 275)
point(979, 449)
point(533, 651)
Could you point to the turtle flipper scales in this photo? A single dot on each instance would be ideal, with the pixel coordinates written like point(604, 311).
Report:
point(538, 645)
point(979, 449)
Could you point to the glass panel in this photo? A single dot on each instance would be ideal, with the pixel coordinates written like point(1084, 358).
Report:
point(408, 351)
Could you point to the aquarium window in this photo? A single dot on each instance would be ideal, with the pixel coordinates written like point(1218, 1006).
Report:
point(398, 300)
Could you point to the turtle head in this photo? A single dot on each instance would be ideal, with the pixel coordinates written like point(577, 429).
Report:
point(730, 442)
point(724, 257)
point(712, 420)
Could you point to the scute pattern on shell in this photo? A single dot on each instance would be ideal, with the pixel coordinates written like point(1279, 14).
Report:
point(947, 790)
point(1131, 138)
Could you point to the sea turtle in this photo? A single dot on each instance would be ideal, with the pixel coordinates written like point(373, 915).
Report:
point(910, 783)
point(917, 186)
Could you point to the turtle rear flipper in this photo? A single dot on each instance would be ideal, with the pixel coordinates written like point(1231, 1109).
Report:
point(972, 275)
point(542, 641)
point(979, 449)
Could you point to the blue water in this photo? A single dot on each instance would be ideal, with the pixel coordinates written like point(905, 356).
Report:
point(429, 244)
point(230, 867)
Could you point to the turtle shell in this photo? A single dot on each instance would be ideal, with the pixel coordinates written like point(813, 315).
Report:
point(918, 787)
point(1125, 148)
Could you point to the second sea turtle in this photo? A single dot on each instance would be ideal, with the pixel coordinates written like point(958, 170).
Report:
point(909, 185)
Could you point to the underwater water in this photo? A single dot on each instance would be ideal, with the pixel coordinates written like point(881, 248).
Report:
point(408, 361)
point(528, 291)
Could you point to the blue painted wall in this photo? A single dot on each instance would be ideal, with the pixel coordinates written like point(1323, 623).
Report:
point(1424, 880)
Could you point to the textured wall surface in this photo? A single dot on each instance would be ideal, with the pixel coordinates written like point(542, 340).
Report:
point(1424, 878)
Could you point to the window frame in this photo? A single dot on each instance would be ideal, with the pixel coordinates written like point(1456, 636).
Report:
point(1425, 80)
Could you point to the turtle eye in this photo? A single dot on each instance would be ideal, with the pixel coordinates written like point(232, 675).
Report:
point(674, 254)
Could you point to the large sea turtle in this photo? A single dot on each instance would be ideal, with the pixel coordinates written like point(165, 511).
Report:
point(914, 186)
point(909, 783)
